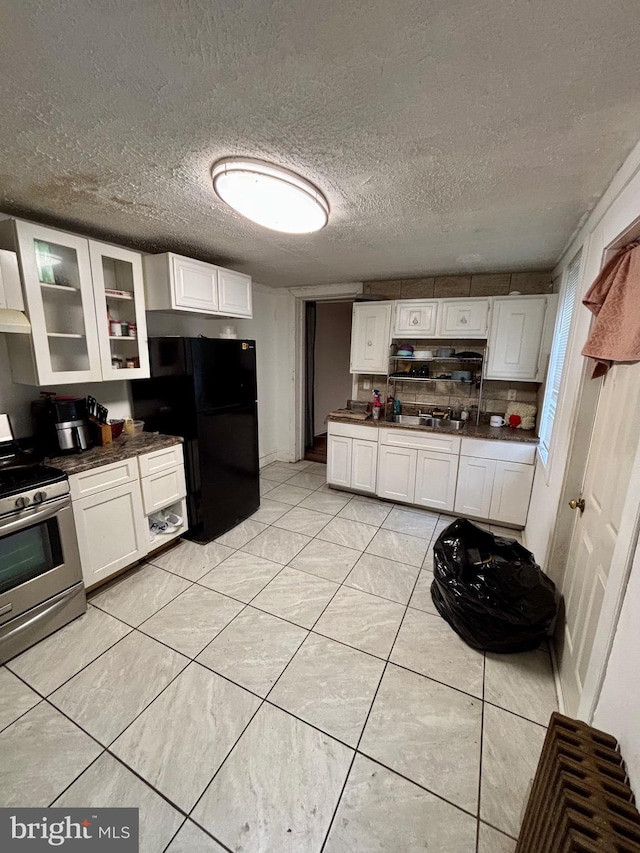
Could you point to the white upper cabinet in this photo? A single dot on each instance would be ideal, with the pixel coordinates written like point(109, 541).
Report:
point(234, 290)
point(72, 288)
point(416, 317)
point(122, 323)
point(463, 318)
point(515, 338)
point(176, 283)
point(370, 337)
point(195, 285)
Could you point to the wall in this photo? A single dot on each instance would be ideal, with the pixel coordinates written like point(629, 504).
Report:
point(618, 708)
point(618, 208)
point(617, 212)
point(15, 399)
point(487, 284)
point(264, 328)
point(332, 386)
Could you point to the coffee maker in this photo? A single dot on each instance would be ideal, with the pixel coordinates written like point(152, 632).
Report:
point(61, 425)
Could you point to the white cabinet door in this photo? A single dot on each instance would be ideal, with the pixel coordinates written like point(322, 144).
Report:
point(436, 479)
point(416, 317)
point(475, 486)
point(195, 285)
point(56, 273)
point(339, 461)
point(370, 337)
point(396, 473)
point(515, 337)
point(364, 465)
point(511, 492)
point(119, 295)
point(234, 294)
point(463, 318)
point(111, 531)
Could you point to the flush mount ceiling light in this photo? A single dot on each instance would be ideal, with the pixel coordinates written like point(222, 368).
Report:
point(270, 195)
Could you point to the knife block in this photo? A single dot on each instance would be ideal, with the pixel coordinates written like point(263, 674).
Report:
point(100, 433)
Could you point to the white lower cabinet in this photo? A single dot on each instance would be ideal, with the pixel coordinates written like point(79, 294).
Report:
point(479, 478)
point(111, 508)
point(352, 457)
point(475, 486)
point(436, 475)
point(511, 492)
point(339, 460)
point(364, 465)
point(397, 473)
point(111, 531)
point(352, 463)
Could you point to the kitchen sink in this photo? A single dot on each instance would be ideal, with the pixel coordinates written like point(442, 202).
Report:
point(434, 423)
point(410, 420)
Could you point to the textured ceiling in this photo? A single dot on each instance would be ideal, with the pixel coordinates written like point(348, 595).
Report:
point(447, 136)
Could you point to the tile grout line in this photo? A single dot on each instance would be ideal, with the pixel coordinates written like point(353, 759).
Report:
point(362, 731)
point(484, 675)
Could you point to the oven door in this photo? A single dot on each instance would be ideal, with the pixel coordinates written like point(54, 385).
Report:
point(38, 557)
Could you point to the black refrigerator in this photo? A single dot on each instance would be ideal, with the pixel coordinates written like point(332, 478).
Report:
point(204, 389)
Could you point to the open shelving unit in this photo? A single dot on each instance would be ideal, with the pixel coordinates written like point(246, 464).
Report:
point(476, 365)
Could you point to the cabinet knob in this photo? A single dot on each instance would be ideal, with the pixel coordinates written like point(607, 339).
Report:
point(414, 322)
point(369, 343)
point(463, 321)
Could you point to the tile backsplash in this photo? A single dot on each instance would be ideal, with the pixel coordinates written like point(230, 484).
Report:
point(448, 286)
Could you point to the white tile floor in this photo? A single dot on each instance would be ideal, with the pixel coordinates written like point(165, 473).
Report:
point(288, 687)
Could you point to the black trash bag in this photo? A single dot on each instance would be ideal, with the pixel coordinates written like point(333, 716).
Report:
point(490, 590)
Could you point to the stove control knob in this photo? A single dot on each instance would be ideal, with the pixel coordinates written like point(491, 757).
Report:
point(39, 497)
point(22, 502)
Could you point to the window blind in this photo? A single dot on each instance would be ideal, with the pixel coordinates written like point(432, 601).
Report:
point(558, 354)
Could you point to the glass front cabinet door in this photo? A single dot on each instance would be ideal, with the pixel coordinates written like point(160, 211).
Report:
point(119, 295)
point(85, 302)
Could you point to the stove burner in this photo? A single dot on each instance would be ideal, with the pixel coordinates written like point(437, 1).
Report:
point(19, 479)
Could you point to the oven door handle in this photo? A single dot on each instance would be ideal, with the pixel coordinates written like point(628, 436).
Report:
point(34, 514)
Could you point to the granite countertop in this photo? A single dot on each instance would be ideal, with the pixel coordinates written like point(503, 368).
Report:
point(468, 431)
point(123, 448)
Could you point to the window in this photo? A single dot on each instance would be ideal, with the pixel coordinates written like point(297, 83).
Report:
point(558, 353)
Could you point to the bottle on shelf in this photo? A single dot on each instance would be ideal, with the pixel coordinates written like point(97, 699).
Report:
point(377, 405)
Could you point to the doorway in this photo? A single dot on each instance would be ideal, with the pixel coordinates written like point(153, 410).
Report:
point(328, 383)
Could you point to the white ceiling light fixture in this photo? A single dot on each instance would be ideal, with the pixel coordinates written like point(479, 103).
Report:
point(270, 195)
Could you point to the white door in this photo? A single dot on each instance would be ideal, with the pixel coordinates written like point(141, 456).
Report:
point(364, 465)
point(463, 318)
point(118, 289)
point(60, 302)
point(614, 443)
point(110, 526)
point(195, 285)
point(515, 337)
point(234, 292)
point(511, 492)
point(396, 473)
point(436, 475)
point(416, 318)
point(475, 485)
point(370, 337)
point(339, 461)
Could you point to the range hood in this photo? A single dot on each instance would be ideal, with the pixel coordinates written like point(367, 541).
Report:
point(12, 316)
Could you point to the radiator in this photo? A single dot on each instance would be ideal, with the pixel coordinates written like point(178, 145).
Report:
point(580, 800)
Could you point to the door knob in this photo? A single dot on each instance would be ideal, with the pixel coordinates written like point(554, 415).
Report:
point(577, 504)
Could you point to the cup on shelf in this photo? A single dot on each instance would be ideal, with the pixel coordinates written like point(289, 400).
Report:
point(115, 328)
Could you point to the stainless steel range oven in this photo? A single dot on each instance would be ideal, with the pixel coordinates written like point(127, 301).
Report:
point(41, 585)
